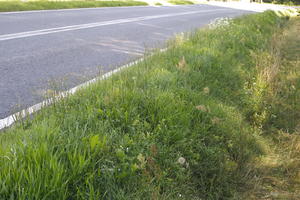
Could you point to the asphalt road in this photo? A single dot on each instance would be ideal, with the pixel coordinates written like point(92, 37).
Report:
point(62, 48)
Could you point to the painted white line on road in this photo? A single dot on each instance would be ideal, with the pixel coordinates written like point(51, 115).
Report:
point(92, 25)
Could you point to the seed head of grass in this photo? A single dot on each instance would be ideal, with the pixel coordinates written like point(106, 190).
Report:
point(206, 90)
point(202, 108)
point(182, 65)
point(215, 120)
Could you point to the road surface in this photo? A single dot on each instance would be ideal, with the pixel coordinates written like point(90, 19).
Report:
point(46, 50)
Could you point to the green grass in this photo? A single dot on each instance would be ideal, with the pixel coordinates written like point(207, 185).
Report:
point(7, 6)
point(181, 2)
point(284, 2)
point(182, 124)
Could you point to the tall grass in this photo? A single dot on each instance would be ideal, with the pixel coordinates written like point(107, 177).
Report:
point(7, 6)
point(175, 126)
point(277, 115)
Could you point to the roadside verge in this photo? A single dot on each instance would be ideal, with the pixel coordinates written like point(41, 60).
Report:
point(181, 124)
point(9, 6)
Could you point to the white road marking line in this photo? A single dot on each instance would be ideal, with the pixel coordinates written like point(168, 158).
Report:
point(92, 25)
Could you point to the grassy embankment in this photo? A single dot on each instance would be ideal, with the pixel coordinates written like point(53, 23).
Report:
point(8, 6)
point(181, 2)
point(187, 123)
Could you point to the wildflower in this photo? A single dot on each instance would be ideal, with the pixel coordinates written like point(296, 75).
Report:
point(219, 22)
point(181, 160)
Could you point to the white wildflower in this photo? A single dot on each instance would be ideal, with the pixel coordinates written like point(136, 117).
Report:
point(219, 22)
point(181, 160)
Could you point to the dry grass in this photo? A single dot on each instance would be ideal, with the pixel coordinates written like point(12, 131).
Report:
point(276, 175)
